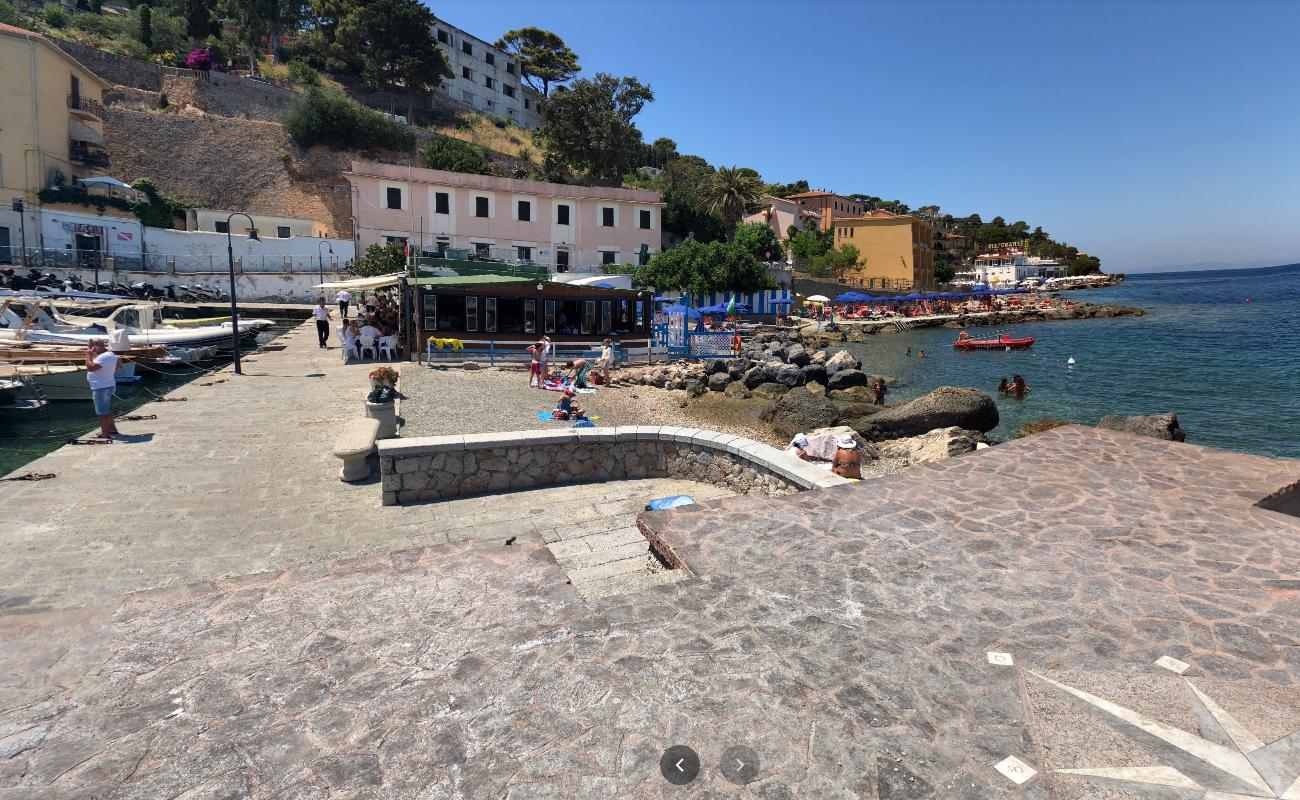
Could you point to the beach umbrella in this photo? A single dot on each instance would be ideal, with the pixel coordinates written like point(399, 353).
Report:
point(784, 301)
point(818, 298)
point(847, 297)
point(680, 309)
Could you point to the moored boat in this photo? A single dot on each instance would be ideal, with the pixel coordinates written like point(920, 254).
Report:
point(39, 321)
point(966, 342)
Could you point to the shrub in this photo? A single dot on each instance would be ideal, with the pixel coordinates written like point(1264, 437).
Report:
point(200, 58)
point(55, 16)
point(454, 155)
point(323, 116)
point(380, 260)
point(10, 16)
point(301, 72)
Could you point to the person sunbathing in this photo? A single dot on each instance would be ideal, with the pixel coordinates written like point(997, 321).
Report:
point(568, 408)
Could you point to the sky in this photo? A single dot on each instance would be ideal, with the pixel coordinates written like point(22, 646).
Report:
point(1154, 135)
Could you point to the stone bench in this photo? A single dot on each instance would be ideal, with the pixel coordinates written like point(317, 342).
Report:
point(354, 445)
point(441, 467)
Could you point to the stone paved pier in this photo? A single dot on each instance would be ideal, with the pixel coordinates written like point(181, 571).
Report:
point(1078, 615)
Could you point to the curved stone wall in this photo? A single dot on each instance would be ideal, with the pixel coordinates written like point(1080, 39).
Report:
point(441, 467)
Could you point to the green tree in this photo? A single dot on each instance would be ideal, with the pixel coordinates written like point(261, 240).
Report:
point(395, 44)
point(544, 59)
point(1084, 265)
point(760, 240)
point(731, 192)
point(698, 267)
point(682, 186)
point(810, 243)
point(55, 16)
point(454, 155)
point(944, 272)
point(834, 262)
point(785, 189)
point(660, 152)
point(10, 16)
point(588, 127)
point(380, 260)
point(146, 27)
point(324, 116)
point(199, 23)
point(303, 73)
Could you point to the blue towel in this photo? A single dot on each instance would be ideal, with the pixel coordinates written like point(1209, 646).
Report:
point(547, 417)
point(665, 503)
point(584, 423)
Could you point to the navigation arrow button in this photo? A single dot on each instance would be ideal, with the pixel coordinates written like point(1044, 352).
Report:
point(679, 765)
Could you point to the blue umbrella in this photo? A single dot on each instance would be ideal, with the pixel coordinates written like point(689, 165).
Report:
point(739, 308)
point(848, 297)
point(784, 301)
point(679, 309)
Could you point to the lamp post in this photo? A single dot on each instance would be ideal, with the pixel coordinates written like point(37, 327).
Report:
point(230, 260)
point(321, 254)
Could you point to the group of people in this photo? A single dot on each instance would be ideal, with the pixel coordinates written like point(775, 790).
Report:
point(578, 371)
point(1017, 388)
point(840, 449)
point(377, 325)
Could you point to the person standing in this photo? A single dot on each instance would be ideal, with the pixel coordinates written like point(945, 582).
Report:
point(534, 367)
point(322, 316)
point(101, 372)
point(606, 361)
point(545, 357)
point(878, 392)
point(343, 298)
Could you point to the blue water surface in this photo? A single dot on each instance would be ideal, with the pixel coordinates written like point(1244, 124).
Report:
point(1219, 348)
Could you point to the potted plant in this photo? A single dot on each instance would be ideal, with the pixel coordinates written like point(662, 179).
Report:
point(380, 403)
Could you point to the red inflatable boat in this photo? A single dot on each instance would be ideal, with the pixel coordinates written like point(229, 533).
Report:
point(965, 342)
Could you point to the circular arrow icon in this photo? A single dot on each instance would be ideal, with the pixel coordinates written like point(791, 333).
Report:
point(739, 764)
point(679, 765)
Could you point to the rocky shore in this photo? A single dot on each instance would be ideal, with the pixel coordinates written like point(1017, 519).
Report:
point(859, 330)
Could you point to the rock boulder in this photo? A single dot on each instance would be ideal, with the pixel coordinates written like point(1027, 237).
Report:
point(737, 391)
point(797, 355)
point(1158, 426)
point(755, 376)
point(719, 381)
point(846, 379)
point(815, 373)
point(770, 391)
point(945, 407)
point(799, 411)
point(932, 446)
point(787, 375)
point(839, 360)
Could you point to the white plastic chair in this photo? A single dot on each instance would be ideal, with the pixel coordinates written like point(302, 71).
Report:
point(365, 343)
point(388, 348)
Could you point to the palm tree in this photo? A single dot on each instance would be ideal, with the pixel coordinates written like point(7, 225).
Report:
point(729, 193)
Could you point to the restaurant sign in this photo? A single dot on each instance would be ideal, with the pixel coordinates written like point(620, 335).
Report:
point(82, 228)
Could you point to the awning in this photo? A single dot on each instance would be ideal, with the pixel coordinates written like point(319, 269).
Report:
point(363, 284)
point(84, 133)
point(112, 183)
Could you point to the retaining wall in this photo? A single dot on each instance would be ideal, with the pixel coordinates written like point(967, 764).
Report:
point(442, 467)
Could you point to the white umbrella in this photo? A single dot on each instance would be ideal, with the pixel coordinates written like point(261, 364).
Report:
point(818, 298)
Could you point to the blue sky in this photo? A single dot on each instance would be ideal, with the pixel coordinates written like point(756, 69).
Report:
point(1154, 135)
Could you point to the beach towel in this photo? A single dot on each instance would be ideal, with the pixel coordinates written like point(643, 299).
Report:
point(585, 422)
point(560, 384)
point(674, 501)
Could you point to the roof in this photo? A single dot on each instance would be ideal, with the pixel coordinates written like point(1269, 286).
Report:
point(363, 284)
point(493, 183)
point(23, 33)
point(810, 194)
point(468, 280)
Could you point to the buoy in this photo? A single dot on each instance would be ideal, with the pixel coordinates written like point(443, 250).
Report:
point(1070, 361)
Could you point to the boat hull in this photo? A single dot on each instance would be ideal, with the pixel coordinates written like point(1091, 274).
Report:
point(209, 336)
point(994, 344)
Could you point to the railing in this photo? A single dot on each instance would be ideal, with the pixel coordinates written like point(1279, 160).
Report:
point(77, 102)
point(80, 153)
point(513, 353)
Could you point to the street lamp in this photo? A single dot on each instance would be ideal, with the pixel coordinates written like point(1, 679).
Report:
point(230, 260)
point(325, 242)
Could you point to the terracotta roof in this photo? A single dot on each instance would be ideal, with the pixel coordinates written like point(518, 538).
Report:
point(17, 31)
point(810, 194)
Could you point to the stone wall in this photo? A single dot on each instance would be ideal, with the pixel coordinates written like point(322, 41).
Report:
point(120, 70)
point(228, 95)
point(442, 467)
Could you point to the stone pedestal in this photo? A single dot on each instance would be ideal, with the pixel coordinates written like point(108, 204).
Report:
point(386, 413)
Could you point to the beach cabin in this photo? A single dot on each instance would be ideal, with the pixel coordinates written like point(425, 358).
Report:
point(508, 313)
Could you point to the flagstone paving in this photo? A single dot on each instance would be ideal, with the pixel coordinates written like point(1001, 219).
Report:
point(968, 630)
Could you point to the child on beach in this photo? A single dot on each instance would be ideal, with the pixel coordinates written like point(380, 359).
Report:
point(534, 369)
point(567, 408)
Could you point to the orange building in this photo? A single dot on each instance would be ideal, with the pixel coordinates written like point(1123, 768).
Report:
point(829, 205)
point(895, 251)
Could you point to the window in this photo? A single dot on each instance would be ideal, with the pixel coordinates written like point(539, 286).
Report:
point(561, 215)
point(393, 197)
point(527, 104)
point(550, 316)
point(608, 257)
point(449, 312)
point(530, 315)
point(606, 315)
point(607, 219)
point(430, 312)
point(524, 253)
point(643, 257)
point(508, 89)
point(468, 97)
point(525, 211)
point(491, 58)
point(395, 240)
point(282, 232)
point(467, 48)
point(480, 206)
point(465, 73)
point(443, 36)
point(471, 314)
point(487, 82)
point(510, 67)
point(490, 315)
point(588, 316)
point(645, 219)
point(441, 203)
point(561, 260)
point(482, 249)
point(222, 226)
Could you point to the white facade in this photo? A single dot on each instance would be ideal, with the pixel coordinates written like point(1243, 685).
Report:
point(486, 77)
point(268, 227)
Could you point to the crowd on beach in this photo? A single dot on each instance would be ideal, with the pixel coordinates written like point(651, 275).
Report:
point(576, 376)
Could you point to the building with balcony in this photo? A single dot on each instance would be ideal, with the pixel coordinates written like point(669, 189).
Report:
point(486, 77)
point(51, 127)
point(829, 206)
point(562, 227)
point(895, 251)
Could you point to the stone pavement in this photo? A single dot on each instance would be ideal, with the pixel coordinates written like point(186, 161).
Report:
point(240, 479)
point(1076, 615)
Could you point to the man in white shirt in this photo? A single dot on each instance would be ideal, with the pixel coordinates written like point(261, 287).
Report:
point(370, 333)
point(322, 316)
point(101, 372)
point(343, 298)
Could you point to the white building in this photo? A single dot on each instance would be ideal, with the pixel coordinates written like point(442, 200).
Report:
point(486, 77)
point(269, 227)
point(1009, 267)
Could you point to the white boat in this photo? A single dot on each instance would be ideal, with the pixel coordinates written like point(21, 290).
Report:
point(55, 382)
point(9, 391)
point(39, 321)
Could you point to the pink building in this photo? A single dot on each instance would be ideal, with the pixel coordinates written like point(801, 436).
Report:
point(781, 214)
point(550, 224)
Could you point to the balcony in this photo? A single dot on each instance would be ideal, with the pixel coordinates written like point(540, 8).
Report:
point(86, 155)
point(85, 108)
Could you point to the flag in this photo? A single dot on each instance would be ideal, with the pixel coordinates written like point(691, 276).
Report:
point(731, 307)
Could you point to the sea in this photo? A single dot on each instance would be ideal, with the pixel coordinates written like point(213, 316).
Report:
point(26, 435)
point(1221, 348)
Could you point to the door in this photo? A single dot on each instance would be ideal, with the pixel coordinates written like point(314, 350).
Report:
point(87, 250)
point(6, 254)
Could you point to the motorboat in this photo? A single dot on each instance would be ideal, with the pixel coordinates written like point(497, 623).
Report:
point(54, 381)
point(40, 321)
point(10, 388)
point(966, 342)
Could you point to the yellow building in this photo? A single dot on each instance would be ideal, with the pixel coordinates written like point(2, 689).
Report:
point(51, 118)
point(895, 250)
